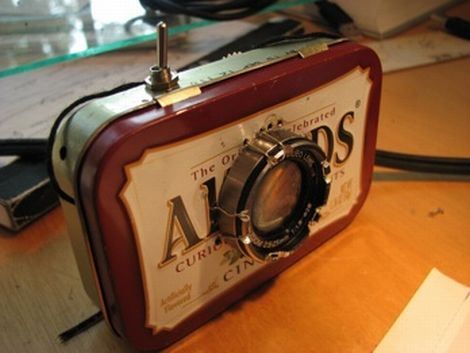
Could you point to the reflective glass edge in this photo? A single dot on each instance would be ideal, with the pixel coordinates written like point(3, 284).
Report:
point(129, 42)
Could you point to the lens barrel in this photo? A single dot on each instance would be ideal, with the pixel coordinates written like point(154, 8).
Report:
point(272, 193)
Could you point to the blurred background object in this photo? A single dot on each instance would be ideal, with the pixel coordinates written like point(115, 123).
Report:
point(385, 18)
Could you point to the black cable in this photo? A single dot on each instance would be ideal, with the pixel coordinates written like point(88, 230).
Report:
point(59, 120)
point(219, 10)
point(81, 327)
point(266, 32)
point(288, 39)
point(32, 148)
point(423, 164)
point(37, 149)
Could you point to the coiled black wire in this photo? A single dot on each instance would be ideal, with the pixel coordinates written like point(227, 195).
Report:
point(217, 10)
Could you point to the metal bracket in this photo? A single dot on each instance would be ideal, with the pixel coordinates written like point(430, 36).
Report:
point(243, 216)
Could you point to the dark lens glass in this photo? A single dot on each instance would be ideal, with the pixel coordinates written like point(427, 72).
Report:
point(276, 196)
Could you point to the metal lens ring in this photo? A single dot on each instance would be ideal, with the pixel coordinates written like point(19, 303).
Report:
point(272, 193)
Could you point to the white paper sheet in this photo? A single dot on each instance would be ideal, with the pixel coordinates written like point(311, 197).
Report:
point(436, 320)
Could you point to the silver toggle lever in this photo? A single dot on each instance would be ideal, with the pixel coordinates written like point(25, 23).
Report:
point(161, 77)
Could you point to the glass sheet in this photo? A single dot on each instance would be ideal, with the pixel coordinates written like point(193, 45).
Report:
point(38, 33)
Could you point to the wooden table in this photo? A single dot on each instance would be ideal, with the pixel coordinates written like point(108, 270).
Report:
point(341, 298)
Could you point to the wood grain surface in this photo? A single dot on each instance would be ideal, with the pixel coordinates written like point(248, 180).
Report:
point(341, 298)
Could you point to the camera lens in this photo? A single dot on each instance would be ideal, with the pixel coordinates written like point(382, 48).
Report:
point(272, 193)
point(276, 196)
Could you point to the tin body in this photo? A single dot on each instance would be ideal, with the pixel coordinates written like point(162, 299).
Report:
point(133, 161)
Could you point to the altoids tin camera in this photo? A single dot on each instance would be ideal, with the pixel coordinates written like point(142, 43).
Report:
point(185, 192)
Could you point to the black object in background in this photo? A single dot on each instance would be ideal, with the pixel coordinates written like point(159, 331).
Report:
point(270, 30)
point(458, 27)
point(422, 164)
point(25, 193)
point(220, 10)
point(338, 19)
point(29, 147)
point(454, 25)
